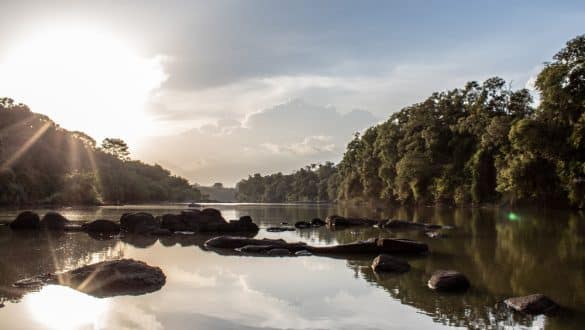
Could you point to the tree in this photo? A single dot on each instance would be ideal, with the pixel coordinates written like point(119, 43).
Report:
point(116, 147)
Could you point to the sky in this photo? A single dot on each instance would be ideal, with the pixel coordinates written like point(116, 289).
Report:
point(218, 90)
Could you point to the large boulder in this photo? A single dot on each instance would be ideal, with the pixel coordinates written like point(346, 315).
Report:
point(448, 280)
point(316, 222)
point(139, 223)
point(173, 222)
point(386, 263)
point(102, 226)
point(339, 221)
point(533, 304)
point(54, 221)
point(105, 279)
point(26, 220)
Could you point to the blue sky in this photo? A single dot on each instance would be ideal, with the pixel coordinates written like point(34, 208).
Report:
point(225, 62)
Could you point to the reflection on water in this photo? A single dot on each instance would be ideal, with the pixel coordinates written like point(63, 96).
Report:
point(536, 251)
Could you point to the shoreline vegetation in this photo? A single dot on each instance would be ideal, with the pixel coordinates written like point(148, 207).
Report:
point(484, 143)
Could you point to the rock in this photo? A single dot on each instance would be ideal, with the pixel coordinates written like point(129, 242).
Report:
point(448, 280)
point(278, 252)
point(233, 242)
point(246, 219)
point(316, 222)
point(254, 248)
point(26, 220)
point(161, 232)
point(403, 224)
point(105, 279)
point(303, 253)
point(533, 304)
point(102, 226)
point(54, 221)
point(139, 223)
point(339, 221)
point(386, 263)
point(434, 234)
point(302, 225)
point(399, 245)
point(173, 222)
point(279, 229)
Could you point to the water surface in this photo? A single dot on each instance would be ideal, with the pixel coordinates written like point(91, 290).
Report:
point(503, 252)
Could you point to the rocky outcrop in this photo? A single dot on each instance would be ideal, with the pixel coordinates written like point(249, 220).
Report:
point(374, 246)
point(448, 280)
point(102, 226)
point(533, 304)
point(54, 221)
point(206, 221)
point(403, 224)
point(26, 220)
point(316, 222)
point(232, 242)
point(302, 224)
point(139, 223)
point(386, 263)
point(105, 279)
point(339, 221)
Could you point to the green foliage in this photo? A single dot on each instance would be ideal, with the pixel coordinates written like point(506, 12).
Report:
point(41, 162)
point(483, 143)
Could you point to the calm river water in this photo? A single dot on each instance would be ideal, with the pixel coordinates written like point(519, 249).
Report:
point(503, 252)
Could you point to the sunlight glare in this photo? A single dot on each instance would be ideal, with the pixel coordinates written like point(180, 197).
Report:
point(60, 307)
point(84, 79)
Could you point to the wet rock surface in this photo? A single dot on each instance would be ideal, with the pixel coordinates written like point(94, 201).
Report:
point(448, 280)
point(403, 224)
point(26, 220)
point(386, 263)
point(102, 226)
point(339, 221)
point(533, 304)
point(54, 221)
point(139, 223)
point(104, 279)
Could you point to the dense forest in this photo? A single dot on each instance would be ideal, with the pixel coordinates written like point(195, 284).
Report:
point(41, 162)
point(483, 143)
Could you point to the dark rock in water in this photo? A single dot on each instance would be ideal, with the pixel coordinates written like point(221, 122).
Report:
point(246, 219)
point(161, 232)
point(339, 221)
point(278, 252)
point(316, 222)
point(254, 248)
point(26, 220)
point(303, 253)
point(533, 304)
point(54, 221)
point(386, 263)
point(173, 222)
point(403, 224)
point(102, 226)
point(400, 245)
point(448, 280)
point(232, 242)
point(105, 279)
point(302, 224)
point(139, 223)
point(434, 234)
point(279, 229)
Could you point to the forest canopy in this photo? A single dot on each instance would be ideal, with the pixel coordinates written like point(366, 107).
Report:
point(41, 162)
point(482, 143)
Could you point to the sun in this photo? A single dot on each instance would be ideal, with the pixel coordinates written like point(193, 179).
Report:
point(84, 79)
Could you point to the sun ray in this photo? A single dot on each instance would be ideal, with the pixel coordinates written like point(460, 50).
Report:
point(26, 146)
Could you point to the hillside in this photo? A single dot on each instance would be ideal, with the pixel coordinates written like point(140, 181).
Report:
point(41, 162)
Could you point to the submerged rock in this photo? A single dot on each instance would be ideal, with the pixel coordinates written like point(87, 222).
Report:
point(278, 252)
point(374, 246)
point(339, 221)
point(26, 220)
point(54, 221)
point(386, 263)
point(434, 234)
point(254, 248)
point(302, 225)
point(106, 279)
point(533, 304)
point(303, 253)
point(448, 280)
point(139, 223)
point(403, 224)
point(316, 222)
point(279, 229)
point(233, 242)
point(102, 226)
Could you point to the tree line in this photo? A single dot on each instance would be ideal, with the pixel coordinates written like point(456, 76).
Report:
point(483, 143)
point(41, 162)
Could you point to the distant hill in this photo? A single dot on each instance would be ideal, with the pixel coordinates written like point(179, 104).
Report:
point(41, 162)
point(218, 193)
